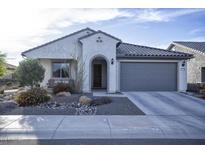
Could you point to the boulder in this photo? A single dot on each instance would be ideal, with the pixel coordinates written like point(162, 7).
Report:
point(84, 100)
point(1, 95)
point(63, 94)
point(10, 92)
point(8, 97)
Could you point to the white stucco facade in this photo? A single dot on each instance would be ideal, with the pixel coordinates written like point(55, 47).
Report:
point(88, 45)
point(105, 49)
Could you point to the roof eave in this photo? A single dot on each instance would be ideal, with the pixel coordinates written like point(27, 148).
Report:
point(99, 31)
point(183, 46)
point(155, 57)
point(23, 53)
point(170, 46)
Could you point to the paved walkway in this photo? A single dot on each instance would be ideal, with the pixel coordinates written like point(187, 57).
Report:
point(104, 93)
point(101, 127)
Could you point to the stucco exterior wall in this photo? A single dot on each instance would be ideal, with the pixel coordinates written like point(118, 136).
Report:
point(61, 49)
point(46, 63)
point(193, 65)
point(105, 49)
point(182, 75)
point(65, 48)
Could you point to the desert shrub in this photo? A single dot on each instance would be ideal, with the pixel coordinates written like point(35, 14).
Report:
point(1, 91)
point(195, 87)
point(32, 96)
point(101, 101)
point(71, 84)
point(30, 72)
point(2, 64)
point(61, 87)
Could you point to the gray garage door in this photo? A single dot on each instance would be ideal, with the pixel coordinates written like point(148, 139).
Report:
point(148, 76)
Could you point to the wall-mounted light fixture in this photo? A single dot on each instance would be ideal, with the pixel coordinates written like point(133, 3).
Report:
point(183, 63)
point(112, 61)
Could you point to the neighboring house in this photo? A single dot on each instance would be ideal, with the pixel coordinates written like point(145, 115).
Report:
point(10, 69)
point(196, 66)
point(109, 63)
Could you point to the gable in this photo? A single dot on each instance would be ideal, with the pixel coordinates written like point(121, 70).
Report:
point(60, 48)
point(98, 34)
point(193, 47)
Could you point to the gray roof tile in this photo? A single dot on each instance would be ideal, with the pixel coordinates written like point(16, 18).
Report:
point(125, 50)
point(200, 46)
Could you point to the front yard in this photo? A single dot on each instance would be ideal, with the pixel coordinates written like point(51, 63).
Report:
point(69, 105)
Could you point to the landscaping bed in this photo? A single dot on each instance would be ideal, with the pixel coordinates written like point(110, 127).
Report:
point(69, 105)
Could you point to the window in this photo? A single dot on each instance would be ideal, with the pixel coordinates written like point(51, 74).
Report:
point(61, 70)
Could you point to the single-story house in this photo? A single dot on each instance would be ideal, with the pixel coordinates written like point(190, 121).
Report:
point(109, 63)
point(196, 65)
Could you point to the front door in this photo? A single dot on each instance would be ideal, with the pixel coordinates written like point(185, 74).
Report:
point(97, 76)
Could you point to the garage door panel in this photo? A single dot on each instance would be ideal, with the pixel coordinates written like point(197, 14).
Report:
point(148, 76)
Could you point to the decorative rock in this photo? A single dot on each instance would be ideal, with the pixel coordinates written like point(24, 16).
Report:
point(9, 105)
point(63, 94)
point(85, 100)
point(20, 91)
point(8, 97)
point(86, 110)
point(1, 95)
point(10, 92)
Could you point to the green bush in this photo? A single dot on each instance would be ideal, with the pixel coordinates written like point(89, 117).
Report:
point(101, 101)
point(30, 72)
point(2, 63)
point(61, 87)
point(32, 96)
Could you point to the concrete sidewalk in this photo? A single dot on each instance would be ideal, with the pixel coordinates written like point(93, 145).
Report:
point(101, 127)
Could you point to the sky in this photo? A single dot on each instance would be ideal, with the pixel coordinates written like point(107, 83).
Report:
point(22, 29)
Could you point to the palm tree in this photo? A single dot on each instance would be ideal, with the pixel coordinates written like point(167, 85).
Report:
point(2, 63)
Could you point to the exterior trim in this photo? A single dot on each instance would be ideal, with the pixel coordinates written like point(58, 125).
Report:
point(90, 70)
point(144, 60)
point(99, 31)
point(23, 53)
point(155, 57)
point(185, 47)
point(147, 61)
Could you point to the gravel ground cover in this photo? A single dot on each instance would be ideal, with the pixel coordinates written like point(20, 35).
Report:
point(69, 105)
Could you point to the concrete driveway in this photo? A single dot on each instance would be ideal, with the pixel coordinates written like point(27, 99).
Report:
point(167, 103)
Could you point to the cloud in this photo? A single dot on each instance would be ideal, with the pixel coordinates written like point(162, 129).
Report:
point(197, 39)
point(162, 15)
point(21, 29)
point(196, 31)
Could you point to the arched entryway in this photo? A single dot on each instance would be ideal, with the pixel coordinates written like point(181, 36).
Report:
point(99, 73)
